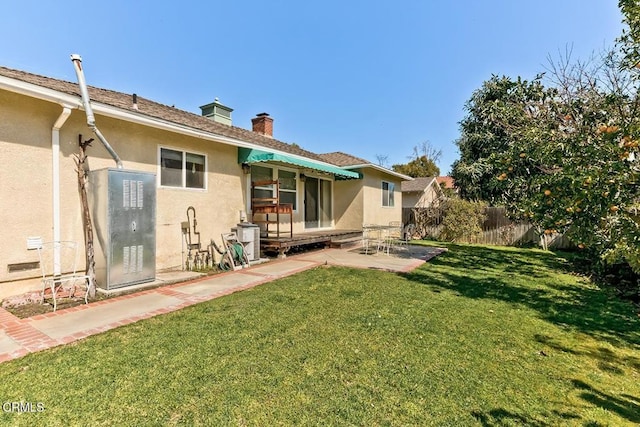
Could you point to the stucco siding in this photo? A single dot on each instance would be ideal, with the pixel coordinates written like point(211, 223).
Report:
point(422, 199)
point(25, 180)
point(348, 204)
point(26, 190)
point(374, 212)
point(410, 200)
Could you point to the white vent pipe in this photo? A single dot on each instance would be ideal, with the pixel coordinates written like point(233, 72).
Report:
point(91, 120)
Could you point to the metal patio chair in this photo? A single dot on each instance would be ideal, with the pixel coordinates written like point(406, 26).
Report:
point(393, 237)
point(58, 262)
point(407, 233)
point(370, 237)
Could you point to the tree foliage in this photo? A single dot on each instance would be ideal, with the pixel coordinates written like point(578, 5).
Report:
point(630, 38)
point(564, 157)
point(495, 114)
point(422, 163)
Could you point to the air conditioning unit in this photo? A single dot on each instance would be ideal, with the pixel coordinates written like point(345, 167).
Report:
point(249, 235)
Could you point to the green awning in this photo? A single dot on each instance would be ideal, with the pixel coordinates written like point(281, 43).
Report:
point(248, 155)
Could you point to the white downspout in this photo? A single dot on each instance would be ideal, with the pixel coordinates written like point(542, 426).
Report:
point(55, 159)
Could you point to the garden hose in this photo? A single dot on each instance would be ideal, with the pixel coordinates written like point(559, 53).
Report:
point(236, 250)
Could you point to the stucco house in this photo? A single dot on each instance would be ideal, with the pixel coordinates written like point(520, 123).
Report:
point(420, 192)
point(374, 199)
point(203, 161)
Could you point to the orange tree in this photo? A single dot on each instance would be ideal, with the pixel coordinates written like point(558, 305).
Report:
point(573, 167)
point(564, 158)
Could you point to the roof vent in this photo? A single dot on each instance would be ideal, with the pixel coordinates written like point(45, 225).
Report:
point(217, 112)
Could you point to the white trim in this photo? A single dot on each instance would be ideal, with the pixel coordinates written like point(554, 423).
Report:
point(274, 168)
point(333, 204)
point(51, 95)
point(389, 184)
point(183, 177)
point(35, 91)
point(379, 168)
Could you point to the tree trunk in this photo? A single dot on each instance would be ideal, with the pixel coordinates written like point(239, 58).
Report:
point(82, 170)
point(544, 243)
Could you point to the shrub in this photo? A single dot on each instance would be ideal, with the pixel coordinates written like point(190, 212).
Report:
point(463, 220)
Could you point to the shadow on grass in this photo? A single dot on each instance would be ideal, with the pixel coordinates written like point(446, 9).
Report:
point(503, 417)
point(627, 408)
point(607, 359)
point(531, 278)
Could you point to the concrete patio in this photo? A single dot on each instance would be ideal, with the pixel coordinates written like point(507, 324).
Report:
point(19, 337)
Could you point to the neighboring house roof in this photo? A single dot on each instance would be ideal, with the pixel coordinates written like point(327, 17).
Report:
point(417, 185)
point(159, 111)
point(446, 182)
point(347, 161)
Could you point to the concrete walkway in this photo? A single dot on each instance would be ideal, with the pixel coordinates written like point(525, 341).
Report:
point(19, 337)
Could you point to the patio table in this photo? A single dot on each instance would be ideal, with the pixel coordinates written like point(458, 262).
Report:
point(378, 234)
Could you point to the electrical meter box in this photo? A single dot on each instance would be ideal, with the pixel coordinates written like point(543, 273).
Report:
point(123, 209)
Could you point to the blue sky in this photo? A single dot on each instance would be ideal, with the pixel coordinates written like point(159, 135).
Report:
point(370, 78)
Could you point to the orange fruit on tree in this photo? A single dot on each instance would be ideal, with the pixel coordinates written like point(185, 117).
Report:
point(547, 192)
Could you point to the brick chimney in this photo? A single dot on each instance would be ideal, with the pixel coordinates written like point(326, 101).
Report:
point(263, 124)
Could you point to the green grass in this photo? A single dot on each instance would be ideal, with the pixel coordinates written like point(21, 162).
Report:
point(478, 336)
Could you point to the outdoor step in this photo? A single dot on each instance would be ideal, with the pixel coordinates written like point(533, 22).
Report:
point(347, 243)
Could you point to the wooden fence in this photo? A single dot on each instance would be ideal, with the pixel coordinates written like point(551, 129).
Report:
point(497, 229)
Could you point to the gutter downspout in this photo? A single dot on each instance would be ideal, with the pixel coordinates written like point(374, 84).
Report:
point(91, 120)
point(55, 159)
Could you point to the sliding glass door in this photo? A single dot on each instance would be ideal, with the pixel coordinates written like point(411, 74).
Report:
point(317, 203)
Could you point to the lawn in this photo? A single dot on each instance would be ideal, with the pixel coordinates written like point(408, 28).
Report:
point(478, 336)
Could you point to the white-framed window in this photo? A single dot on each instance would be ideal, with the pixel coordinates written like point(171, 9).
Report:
point(182, 169)
point(388, 189)
point(288, 183)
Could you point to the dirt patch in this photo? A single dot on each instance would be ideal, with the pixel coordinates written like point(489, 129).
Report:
point(29, 304)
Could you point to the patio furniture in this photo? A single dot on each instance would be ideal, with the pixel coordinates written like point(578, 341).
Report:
point(407, 233)
point(268, 206)
point(59, 276)
point(394, 236)
point(374, 235)
point(369, 236)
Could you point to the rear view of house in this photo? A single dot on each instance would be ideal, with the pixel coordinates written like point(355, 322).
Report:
point(200, 161)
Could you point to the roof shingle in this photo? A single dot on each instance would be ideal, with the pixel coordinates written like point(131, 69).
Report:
point(159, 111)
point(418, 184)
point(339, 158)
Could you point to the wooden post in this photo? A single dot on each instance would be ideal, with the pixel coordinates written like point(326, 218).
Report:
point(82, 169)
